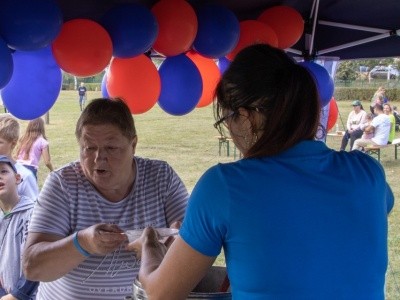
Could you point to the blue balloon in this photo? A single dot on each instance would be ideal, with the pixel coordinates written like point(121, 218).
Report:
point(323, 81)
point(6, 64)
point(29, 24)
point(34, 85)
point(218, 31)
point(181, 85)
point(223, 64)
point(133, 29)
point(104, 91)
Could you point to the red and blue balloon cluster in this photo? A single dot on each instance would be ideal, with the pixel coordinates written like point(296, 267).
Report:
point(196, 45)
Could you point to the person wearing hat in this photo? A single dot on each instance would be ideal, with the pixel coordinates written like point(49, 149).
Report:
point(356, 118)
point(15, 213)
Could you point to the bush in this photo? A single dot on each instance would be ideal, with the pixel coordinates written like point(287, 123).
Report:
point(363, 94)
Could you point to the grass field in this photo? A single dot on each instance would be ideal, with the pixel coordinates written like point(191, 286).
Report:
point(188, 143)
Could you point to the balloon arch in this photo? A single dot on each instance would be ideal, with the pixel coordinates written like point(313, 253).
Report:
point(197, 46)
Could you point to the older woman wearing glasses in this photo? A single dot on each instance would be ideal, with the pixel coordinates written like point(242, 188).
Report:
point(296, 219)
point(76, 241)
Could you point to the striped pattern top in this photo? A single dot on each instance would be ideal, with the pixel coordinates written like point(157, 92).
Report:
point(68, 202)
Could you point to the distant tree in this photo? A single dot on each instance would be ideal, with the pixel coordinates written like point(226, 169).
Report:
point(349, 69)
point(346, 70)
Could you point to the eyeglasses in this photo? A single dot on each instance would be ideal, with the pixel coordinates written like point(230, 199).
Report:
point(223, 120)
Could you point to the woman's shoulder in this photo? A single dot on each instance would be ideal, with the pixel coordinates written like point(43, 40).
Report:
point(72, 169)
point(359, 160)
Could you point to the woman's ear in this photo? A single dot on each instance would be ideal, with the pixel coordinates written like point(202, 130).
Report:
point(243, 112)
point(246, 120)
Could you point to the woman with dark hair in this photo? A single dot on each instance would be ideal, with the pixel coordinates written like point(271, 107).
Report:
point(296, 219)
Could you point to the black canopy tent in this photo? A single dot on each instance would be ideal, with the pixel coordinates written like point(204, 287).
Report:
point(345, 29)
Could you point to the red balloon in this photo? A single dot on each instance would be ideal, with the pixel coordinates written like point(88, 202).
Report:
point(83, 48)
point(177, 22)
point(287, 23)
point(210, 75)
point(253, 32)
point(136, 81)
point(333, 114)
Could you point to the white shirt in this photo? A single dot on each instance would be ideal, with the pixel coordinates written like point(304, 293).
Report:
point(356, 119)
point(381, 124)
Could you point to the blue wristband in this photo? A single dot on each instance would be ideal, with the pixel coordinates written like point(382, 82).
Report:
point(78, 246)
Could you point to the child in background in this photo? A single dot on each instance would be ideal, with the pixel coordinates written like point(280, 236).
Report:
point(9, 134)
point(367, 134)
point(15, 213)
point(33, 145)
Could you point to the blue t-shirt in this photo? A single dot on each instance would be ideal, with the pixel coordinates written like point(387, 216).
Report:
point(82, 91)
point(310, 223)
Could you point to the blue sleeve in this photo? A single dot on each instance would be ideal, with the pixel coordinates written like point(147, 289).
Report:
point(24, 289)
point(204, 225)
point(389, 199)
point(2, 292)
point(389, 193)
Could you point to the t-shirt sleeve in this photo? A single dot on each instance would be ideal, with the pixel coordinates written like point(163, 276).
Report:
point(177, 197)
point(51, 212)
point(43, 143)
point(376, 121)
point(389, 198)
point(205, 222)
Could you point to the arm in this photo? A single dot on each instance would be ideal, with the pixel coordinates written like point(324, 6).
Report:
point(389, 199)
point(173, 276)
point(364, 118)
point(186, 261)
point(348, 124)
point(24, 289)
point(44, 258)
point(46, 158)
point(45, 254)
point(369, 129)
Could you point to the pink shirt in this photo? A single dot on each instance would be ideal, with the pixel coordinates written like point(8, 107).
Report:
point(35, 153)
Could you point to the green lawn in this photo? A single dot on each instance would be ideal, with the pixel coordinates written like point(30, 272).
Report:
point(188, 143)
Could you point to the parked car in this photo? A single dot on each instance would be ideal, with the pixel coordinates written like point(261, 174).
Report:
point(383, 71)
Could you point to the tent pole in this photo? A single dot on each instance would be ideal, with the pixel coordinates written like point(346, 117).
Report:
point(311, 48)
point(355, 27)
point(355, 43)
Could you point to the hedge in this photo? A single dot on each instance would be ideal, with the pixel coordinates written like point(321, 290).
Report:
point(363, 94)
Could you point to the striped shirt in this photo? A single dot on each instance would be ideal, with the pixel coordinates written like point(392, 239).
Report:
point(68, 202)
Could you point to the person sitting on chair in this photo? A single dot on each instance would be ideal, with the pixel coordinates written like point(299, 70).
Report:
point(380, 125)
point(356, 118)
